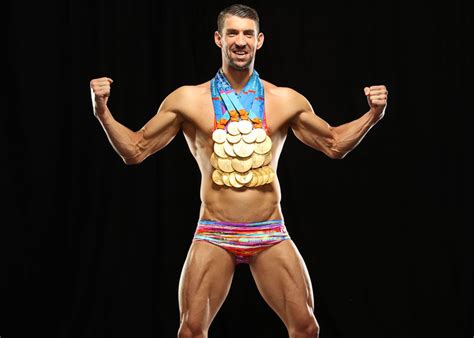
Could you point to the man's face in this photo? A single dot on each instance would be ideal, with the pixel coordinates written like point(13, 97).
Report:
point(239, 42)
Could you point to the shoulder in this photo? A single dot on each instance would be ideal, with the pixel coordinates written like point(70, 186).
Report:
point(185, 95)
point(284, 95)
point(189, 91)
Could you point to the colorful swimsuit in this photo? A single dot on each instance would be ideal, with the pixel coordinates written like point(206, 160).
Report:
point(241, 239)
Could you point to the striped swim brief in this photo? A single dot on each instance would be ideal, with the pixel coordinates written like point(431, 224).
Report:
point(242, 239)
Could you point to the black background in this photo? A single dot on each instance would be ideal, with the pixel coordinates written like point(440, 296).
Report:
point(94, 248)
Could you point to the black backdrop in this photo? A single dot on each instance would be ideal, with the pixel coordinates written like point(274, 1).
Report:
point(94, 248)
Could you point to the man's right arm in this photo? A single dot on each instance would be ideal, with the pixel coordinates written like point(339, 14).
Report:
point(135, 146)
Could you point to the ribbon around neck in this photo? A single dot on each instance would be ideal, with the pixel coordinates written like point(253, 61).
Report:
point(249, 104)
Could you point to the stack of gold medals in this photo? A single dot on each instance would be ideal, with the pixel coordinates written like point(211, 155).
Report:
point(242, 153)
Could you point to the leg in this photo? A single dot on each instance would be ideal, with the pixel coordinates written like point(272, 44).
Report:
point(203, 286)
point(283, 281)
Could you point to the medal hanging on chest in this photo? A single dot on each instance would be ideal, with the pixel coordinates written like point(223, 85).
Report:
point(242, 147)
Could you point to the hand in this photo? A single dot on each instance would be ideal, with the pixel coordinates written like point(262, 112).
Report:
point(377, 99)
point(100, 92)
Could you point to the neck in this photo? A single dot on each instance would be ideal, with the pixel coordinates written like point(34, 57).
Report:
point(237, 78)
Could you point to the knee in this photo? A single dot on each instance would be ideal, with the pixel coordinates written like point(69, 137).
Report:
point(306, 329)
point(191, 329)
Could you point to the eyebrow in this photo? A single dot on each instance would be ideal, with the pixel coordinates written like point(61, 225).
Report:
point(247, 31)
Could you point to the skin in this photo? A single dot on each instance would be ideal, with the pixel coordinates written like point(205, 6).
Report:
point(280, 272)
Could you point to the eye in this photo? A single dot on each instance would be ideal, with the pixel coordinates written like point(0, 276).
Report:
point(249, 33)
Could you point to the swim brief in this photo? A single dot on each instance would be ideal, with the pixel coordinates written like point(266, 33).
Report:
point(242, 239)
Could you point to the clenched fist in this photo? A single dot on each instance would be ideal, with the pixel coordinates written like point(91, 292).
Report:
point(377, 99)
point(100, 92)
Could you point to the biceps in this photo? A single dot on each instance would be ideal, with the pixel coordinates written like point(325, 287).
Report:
point(159, 131)
point(313, 131)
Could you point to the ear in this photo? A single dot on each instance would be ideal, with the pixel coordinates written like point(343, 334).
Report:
point(260, 38)
point(218, 39)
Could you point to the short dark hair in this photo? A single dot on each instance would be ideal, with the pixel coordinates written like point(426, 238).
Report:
point(242, 11)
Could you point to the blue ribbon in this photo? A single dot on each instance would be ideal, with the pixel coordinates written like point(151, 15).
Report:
point(227, 102)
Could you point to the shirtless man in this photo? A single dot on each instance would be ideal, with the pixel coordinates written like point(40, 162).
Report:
point(240, 219)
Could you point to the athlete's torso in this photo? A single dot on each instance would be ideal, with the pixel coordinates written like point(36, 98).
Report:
point(224, 203)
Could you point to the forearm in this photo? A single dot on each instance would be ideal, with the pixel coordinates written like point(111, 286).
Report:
point(347, 136)
point(123, 140)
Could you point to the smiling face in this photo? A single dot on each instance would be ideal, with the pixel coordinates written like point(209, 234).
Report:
point(239, 41)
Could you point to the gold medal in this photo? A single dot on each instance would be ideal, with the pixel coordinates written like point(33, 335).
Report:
point(253, 182)
point(229, 149)
point(242, 165)
point(234, 138)
point(243, 149)
point(244, 178)
point(261, 177)
point(250, 137)
point(233, 128)
point(219, 150)
point(233, 181)
point(264, 174)
point(260, 134)
point(214, 161)
point(225, 164)
point(268, 158)
point(257, 160)
point(219, 135)
point(268, 173)
point(241, 155)
point(217, 177)
point(263, 147)
point(272, 175)
point(225, 179)
point(245, 126)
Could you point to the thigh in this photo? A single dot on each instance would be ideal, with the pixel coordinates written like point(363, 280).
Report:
point(284, 282)
point(204, 282)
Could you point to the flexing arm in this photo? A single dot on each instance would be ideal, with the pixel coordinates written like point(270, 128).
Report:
point(337, 142)
point(134, 146)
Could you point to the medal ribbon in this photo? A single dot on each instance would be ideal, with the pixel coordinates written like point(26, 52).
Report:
point(248, 105)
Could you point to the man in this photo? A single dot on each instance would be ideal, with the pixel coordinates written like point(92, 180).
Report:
point(235, 126)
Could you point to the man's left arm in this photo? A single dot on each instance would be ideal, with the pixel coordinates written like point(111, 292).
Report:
point(337, 142)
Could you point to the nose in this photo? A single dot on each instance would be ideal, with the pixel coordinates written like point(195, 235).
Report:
point(241, 42)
